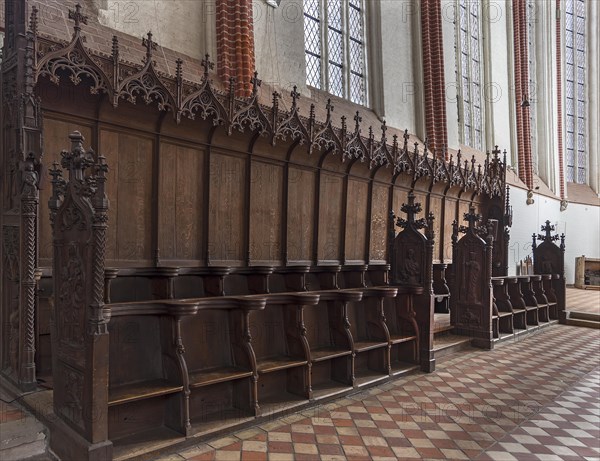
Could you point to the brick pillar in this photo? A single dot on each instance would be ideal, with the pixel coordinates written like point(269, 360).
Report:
point(235, 43)
point(437, 51)
point(428, 91)
point(518, 89)
point(525, 93)
point(433, 74)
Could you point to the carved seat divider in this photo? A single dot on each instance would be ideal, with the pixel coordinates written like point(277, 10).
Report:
point(549, 259)
point(471, 306)
point(412, 269)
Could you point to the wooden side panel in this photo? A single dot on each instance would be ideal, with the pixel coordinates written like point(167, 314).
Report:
point(330, 217)
point(356, 220)
point(226, 209)
point(379, 222)
point(129, 189)
point(301, 211)
point(265, 212)
point(449, 217)
point(181, 203)
point(435, 206)
point(56, 138)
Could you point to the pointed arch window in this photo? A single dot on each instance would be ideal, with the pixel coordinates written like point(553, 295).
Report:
point(575, 81)
point(469, 71)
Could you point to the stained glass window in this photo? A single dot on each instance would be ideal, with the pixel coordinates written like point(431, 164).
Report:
point(575, 106)
point(469, 72)
point(334, 43)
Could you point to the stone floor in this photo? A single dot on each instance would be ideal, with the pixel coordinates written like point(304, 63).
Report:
point(583, 300)
point(533, 398)
point(537, 398)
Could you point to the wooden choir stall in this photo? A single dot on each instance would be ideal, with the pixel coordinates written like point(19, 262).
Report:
point(216, 260)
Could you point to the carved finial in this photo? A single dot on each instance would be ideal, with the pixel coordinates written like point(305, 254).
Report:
point(329, 108)
point(33, 21)
point(405, 136)
point(178, 69)
point(312, 112)
point(276, 97)
point(115, 49)
point(426, 145)
point(383, 130)
point(472, 218)
point(562, 242)
point(295, 96)
point(344, 126)
point(256, 82)
point(207, 64)
point(77, 17)
point(496, 152)
point(357, 120)
point(411, 209)
point(548, 229)
point(395, 144)
point(149, 44)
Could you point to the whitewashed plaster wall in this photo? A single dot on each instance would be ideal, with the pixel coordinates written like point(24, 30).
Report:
point(279, 44)
point(580, 224)
point(401, 87)
point(183, 25)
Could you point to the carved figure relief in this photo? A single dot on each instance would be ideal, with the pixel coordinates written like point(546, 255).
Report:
point(412, 269)
point(471, 282)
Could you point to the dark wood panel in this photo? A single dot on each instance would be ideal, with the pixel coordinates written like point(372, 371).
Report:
point(226, 209)
point(301, 210)
point(356, 220)
point(130, 193)
point(181, 203)
point(330, 217)
point(266, 186)
point(379, 222)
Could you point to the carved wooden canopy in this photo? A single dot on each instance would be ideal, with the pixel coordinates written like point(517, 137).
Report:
point(119, 79)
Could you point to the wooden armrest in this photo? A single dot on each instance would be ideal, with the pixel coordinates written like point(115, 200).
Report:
point(347, 295)
point(378, 292)
point(161, 307)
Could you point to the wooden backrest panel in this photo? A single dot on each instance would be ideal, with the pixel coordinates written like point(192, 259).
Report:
point(181, 204)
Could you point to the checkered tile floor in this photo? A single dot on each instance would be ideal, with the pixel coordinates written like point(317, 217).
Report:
point(583, 300)
point(532, 399)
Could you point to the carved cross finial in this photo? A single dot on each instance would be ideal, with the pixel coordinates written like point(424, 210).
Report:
point(344, 126)
point(78, 17)
point(77, 159)
point(496, 151)
point(149, 44)
point(256, 82)
point(383, 130)
point(548, 229)
point(472, 218)
point(295, 96)
point(207, 64)
point(411, 208)
point(329, 108)
point(357, 120)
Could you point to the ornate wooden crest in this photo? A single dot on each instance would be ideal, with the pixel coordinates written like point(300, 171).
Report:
point(411, 252)
point(471, 276)
point(548, 258)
